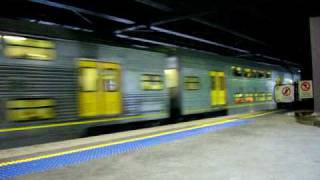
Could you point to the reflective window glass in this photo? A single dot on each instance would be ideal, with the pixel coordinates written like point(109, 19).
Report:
point(88, 79)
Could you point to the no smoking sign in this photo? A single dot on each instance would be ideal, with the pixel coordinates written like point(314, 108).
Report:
point(305, 86)
point(284, 93)
point(305, 90)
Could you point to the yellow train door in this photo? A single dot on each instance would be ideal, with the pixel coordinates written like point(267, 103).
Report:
point(88, 95)
point(218, 88)
point(110, 102)
point(99, 88)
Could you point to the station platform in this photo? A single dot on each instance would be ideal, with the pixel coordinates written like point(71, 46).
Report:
point(259, 145)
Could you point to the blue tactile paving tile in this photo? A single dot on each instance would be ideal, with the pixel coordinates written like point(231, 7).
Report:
point(50, 163)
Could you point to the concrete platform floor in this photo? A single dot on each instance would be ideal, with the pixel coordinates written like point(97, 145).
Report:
point(274, 147)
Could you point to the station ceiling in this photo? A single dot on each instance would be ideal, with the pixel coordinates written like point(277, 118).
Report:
point(271, 30)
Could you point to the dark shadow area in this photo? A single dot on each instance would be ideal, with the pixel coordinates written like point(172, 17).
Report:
point(108, 129)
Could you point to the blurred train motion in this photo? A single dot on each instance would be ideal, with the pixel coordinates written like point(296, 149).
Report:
point(56, 88)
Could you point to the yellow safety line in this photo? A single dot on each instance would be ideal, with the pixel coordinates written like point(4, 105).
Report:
point(222, 121)
point(80, 122)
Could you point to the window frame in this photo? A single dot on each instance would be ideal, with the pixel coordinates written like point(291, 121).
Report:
point(261, 74)
point(160, 81)
point(81, 83)
point(194, 80)
point(247, 73)
point(237, 71)
point(27, 105)
point(268, 74)
point(49, 48)
point(117, 77)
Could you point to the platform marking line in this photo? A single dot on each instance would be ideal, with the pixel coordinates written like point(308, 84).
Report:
point(222, 121)
point(57, 160)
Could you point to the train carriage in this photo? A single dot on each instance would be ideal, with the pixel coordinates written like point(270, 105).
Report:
point(214, 83)
point(54, 89)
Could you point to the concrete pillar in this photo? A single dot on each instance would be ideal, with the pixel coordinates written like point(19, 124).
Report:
point(315, 48)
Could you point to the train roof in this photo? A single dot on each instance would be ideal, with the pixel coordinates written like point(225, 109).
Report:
point(20, 27)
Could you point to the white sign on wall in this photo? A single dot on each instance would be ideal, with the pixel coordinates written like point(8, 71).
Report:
point(305, 90)
point(284, 93)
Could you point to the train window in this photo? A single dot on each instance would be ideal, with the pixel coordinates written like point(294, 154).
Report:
point(269, 96)
point(256, 96)
point(262, 97)
point(110, 80)
point(222, 84)
point(214, 84)
point(30, 109)
point(247, 73)
point(268, 75)
point(192, 83)
point(88, 79)
point(27, 48)
point(249, 98)
point(254, 73)
point(261, 74)
point(238, 98)
point(151, 82)
point(265, 96)
point(236, 71)
point(218, 82)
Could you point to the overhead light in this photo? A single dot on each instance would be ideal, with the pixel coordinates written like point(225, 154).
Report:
point(76, 28)
point(139, 46)
point(130, 29)
point(59, 25)
point(87, 30)
point(155, 5)
point(47, 23)
point(14, 38)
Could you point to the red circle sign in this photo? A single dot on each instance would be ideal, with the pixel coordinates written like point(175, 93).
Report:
point(305, 86)
point(286, 91)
